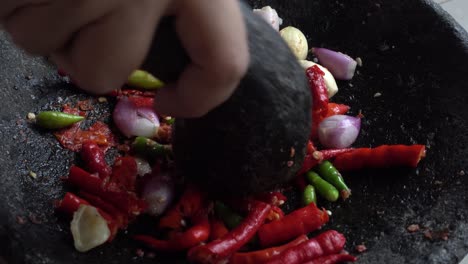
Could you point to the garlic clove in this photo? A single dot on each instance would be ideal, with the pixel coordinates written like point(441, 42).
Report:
point(89, 228)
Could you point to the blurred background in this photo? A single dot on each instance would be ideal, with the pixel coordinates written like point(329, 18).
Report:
point(458, 9)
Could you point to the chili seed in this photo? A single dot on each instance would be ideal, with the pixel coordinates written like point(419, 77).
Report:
point(32, 174)
point(31, 116)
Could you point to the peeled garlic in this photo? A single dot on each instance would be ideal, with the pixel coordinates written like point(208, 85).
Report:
point(296, 41)
point(330, 82)
point(270, 15)
point(89, 228)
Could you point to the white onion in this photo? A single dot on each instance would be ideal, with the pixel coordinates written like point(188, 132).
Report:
point(135, 121)
point(270, 15)
point(158, 192)
point(339, 64)
point(339, 131)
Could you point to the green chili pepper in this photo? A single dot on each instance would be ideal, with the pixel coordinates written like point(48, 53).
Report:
point(151, 148)
point(55, 119)
point(145, 80)
point(333, 176)
point(229, 217)
point(309, 196)
point(170, 120)
point(324, 189)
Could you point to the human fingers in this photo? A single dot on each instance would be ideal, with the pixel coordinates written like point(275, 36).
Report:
point(9, 6)
point(102, 55)
point(44, 28)
point(214, 36)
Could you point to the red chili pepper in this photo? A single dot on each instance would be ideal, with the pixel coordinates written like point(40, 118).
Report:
point(91, 183)
point(336, 109)
point(316, 120)
point(319, 97)
point(333, 259)
point(84, 180)
point(121, 218)
point(299, 222)
point(275, 214)
point(124, 173)
point(70, 204)
point(331, 153)
point(95, 159)
point(218, 229)
point(318, 89)
point(274, 198)
point(188, 205)
point(125, 201)
point(380, 157)
point(195, 235)
point(180, 241)
point(327, 243)
point(262, 256)
point(221, 249)
point(131, 92)
point(312, 160)
point(310, 147)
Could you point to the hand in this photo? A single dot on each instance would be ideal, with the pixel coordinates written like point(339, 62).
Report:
point(99, 43)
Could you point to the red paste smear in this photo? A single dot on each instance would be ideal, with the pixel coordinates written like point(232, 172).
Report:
point(141, 101)
point(85, 105)
point(73, 137)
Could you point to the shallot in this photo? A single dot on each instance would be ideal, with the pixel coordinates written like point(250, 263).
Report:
point(339, 131)
point(158, 192)
point(339, 64)
point(133, 120)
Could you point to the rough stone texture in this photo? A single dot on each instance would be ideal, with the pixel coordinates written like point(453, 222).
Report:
point(416, 56)
point(412, 53)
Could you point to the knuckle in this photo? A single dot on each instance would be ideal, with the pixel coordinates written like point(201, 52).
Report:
point(232, 67)
point(96, 79)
